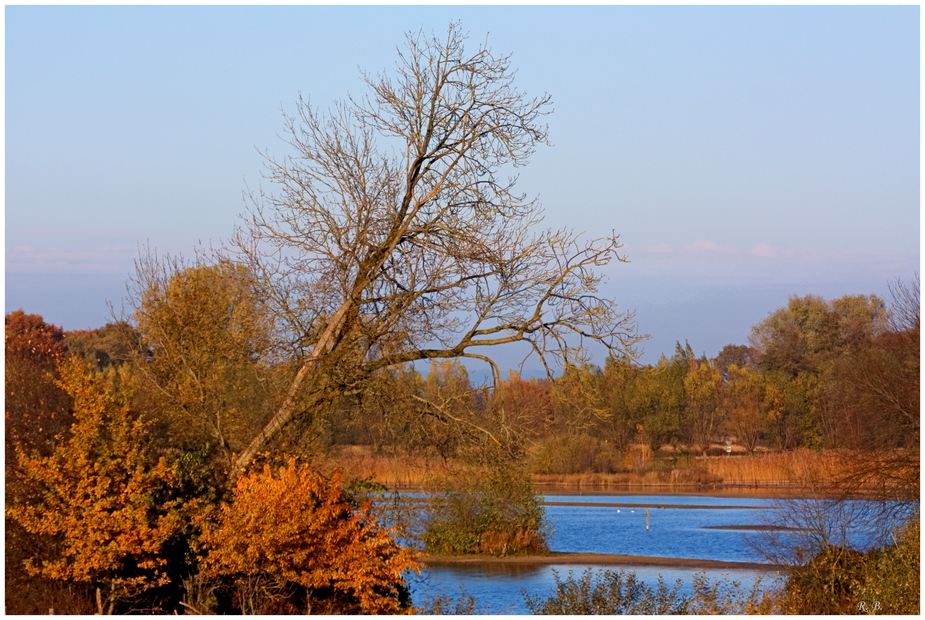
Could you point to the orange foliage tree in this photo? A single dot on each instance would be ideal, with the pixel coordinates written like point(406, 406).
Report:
point(100, 495)
point(297, 534)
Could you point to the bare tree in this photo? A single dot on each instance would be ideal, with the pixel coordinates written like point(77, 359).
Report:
point(395, 235)
point(905, 304)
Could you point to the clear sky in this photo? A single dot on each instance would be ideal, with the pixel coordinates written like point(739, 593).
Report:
point(744, 154)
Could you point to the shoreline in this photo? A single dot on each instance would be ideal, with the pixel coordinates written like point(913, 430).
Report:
point(667, 491)
point(600, 559)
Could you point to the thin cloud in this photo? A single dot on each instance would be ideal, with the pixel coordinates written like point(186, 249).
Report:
point(657, 248)
point(706, 248)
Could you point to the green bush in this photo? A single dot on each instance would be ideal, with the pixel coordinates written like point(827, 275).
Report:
point(838, 580)
point(495, 511)
point(444, 605)
point(724, 597)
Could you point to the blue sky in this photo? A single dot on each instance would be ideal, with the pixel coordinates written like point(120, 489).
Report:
point(744, 154)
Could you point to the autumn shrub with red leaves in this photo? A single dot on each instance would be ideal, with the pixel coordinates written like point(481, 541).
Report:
point(290, 541)
point(36, 410)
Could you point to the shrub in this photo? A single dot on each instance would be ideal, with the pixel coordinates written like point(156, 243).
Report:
point(444, 605)
point(827, 584)
point(101, 498)
point(614, 592)
point(495, 512)
point(723, 597)
point(291, 541)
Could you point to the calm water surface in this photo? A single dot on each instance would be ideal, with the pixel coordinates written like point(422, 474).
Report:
point(672, 533)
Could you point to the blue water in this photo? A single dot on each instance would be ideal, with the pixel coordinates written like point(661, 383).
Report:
point(673, 533)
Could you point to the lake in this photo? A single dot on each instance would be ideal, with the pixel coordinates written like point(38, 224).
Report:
point(674, 532)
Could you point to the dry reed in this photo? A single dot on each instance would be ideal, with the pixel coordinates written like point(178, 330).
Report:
point(768, 469)
point(793, 469)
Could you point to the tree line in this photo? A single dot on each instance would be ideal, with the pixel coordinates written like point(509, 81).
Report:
point(838, 375)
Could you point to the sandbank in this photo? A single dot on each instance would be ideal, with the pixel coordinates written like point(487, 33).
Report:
point(601, 559)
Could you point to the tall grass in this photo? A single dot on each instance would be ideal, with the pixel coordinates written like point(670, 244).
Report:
point(768, 469)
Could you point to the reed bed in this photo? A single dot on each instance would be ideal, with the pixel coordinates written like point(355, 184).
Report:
point(791, 468)
point(797, 469)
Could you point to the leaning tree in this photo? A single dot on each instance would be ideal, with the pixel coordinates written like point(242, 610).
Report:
point(394, 233)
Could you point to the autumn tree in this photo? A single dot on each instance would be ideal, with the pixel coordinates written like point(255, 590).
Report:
point(389, 413)
point(527, 405)
point(807, 338)
point(37, 410)
point(810, 331)
point(619, 384)
point(447, 405)
point(110, 345)
point(738, 354)
point(578, 398)
point(749, 405)
point(661, 397)
point(581, 434)
point(290, 541)
point(872, 405)
point(204, 361)
point(395, 235)
point(794, 421)
point(102, 496)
